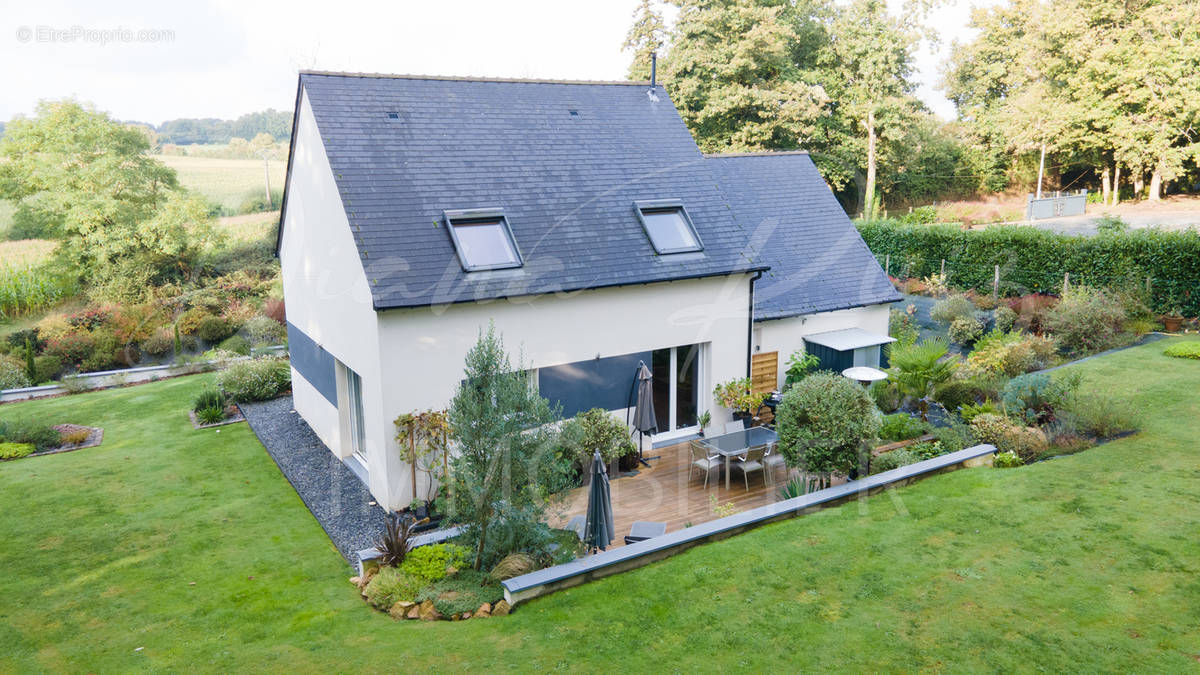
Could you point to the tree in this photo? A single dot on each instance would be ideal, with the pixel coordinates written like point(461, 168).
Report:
point(504, 447)
point(871, 53)
point(88, 180)
point(825, 422)
point(646, 36)
point(731, 71)
point(917, 369)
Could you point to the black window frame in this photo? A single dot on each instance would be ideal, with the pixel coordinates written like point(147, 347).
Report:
point(474, 216)
point(643, 205)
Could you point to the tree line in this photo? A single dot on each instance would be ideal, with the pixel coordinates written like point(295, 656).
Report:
point(1100, 85)
point(193, 131)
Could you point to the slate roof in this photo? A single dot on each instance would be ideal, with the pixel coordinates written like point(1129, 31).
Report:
point(818, 262)
point(566, 182)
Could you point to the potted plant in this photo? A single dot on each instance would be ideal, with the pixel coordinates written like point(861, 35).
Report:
point(1173, 321)
point(737, 396)
point(704, 420)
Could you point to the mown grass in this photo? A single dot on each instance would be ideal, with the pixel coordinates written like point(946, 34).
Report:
point(227, 182)
point(1078, 564)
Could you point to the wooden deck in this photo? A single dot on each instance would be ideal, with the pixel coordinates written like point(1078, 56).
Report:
point(672, 492)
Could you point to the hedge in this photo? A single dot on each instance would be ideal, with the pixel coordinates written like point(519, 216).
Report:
point(1032, 260)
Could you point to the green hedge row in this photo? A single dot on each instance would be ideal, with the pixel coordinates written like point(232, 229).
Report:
point(1034, 261)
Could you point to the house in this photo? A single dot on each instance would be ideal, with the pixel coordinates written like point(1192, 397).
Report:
point(578, 217)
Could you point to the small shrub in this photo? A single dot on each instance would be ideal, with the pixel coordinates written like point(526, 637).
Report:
point(210, 415)
point(1004, 317)
point(1098, 414)
point(189, 322)
point(463, 592)
point(965, 330)
point(54, 326)
point(434, 562)
point(42, 436)
point(988, 428)
point(209, 397)
point(396, 541)
point(74, 437)
point(953, 394)
point(901, 427)
point(824, 423)
point(213, 329)
point(954, 307)
point(236, 344)
point(798, 486)
point(12, 374)
point(263, 330)
point(1007, 460)
point(893, 460)
point(15, 450)
point(1031, 310)
point(47, 367)
point(255, 380)
point(91, 318)
point(927, 450)
point(391, 585)
point(1028, 443)
point(1184, 350)
point(1035, 396)
point(1110, 224)
point(105, 354)
point(162, 342)
point(886, 395)
point(969, 412)
point(17, 339)
point(513, 565)
point(902, 326)
point(72, 348)
point(1087, 320)
point(953, 437)
point(595, 429)
point(273, 308)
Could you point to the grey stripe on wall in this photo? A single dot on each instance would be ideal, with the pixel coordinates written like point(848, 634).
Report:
point(595, 383)
point(313, 363)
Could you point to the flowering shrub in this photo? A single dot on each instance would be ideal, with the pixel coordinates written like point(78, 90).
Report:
point(256, 380)
point(1010, 354)
point(90, 318)
point(965, 330)
point(71, 348)
point(12, 374)
point(1007, 460)
point(1086, 320)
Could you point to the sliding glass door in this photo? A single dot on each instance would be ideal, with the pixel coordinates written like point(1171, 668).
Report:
point(676, 386)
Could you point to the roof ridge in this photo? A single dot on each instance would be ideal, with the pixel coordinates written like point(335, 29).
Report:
point(466, 78)
point(760, 153)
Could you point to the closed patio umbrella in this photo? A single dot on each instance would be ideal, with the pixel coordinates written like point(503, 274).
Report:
point(598, 528)
point(644, 420)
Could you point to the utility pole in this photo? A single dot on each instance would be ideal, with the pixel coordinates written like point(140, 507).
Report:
point(1041, 170)
point(267, 174)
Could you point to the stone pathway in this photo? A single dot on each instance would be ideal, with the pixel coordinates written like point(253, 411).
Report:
point(335, 496)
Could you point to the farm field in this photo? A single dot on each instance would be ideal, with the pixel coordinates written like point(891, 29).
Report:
point(227, 182)
point(168, 548)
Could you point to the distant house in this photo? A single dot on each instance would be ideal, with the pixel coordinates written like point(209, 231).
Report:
point(580, 218)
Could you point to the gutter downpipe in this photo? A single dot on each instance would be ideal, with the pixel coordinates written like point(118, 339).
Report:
point(750, 325)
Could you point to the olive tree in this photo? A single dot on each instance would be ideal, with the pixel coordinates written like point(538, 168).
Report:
point(825, 424)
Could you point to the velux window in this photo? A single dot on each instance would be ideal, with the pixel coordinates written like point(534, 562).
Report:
point(483, 239)
point(668, 226)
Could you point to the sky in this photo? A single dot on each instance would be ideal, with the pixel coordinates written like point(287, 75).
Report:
point(154, 61)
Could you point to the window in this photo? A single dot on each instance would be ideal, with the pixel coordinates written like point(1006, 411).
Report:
point(668, 226)
point(483, 239)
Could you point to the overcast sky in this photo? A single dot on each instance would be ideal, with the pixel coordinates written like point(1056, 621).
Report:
point(153, 60)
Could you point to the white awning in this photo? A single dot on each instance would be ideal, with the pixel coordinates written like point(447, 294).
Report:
point(848, 338)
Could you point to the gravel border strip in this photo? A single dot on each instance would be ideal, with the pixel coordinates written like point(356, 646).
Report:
point(336, 497)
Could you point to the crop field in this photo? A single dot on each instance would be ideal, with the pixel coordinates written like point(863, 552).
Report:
point(24, 285)
point(227, 182)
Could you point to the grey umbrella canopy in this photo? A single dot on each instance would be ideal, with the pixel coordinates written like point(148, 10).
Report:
point(643, 415)
point(598, 529)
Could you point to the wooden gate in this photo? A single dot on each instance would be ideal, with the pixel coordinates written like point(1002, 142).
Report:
point(764, 377)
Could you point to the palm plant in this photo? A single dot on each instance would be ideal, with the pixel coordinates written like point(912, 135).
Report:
point(918, 368)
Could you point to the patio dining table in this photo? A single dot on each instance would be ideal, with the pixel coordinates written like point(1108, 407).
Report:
point(736, 443)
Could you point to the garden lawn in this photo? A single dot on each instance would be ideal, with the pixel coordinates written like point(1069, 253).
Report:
point(173, 549)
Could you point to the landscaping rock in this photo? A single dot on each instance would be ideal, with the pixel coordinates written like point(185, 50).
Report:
point(414, 612)
point(401, 609)
point(502, 608)
point(484, 611)
point(357, 581)
point(427, 612)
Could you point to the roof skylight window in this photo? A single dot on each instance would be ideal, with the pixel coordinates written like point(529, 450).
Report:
point(483, 239)
point(667, 224)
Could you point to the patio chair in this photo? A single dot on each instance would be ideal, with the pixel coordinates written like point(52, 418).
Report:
point(704, 459)
point(643, 530)
point(736, 425)
point(751, 461)
point(772, 460)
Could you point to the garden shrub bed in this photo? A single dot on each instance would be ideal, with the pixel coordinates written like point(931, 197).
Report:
point(233, 415)
point(24, 442)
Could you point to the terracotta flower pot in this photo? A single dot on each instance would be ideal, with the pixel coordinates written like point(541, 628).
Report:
point(1172, 323)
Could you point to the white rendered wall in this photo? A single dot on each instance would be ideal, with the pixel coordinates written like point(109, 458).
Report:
point(424, 348)
point(787, 335)
point(325, 289)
